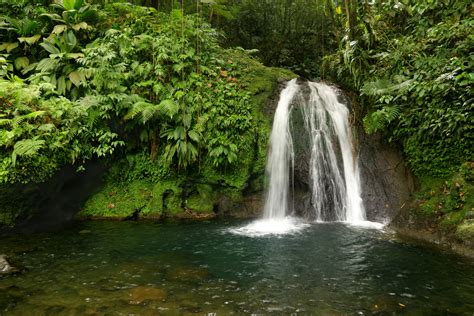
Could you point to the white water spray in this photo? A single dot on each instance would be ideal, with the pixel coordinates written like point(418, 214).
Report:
point(335, 184)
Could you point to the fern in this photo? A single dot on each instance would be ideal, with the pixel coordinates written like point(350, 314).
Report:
point(26, 147)
point(378, 120)
point(382, 86)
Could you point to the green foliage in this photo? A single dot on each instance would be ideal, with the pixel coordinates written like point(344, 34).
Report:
point(412, 63)
point(289, 34)
point(39, 135)
point(186, 113)
point(449, 199)
point(186, 93)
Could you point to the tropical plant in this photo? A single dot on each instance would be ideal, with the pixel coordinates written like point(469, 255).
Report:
point(38, 135)
point(411, 62)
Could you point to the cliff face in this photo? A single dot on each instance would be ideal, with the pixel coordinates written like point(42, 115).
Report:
point(35, 207)
point(387, 183)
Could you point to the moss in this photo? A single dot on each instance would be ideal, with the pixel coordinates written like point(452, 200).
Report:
point(447, 203)
point(122, 200)
point(203, 200)
point(450, 221)
point(173, 203)
point(167, 197)
point(259, 80)
point(234, 195)
point(119, 200)
point(465, 231)
point(199, 204)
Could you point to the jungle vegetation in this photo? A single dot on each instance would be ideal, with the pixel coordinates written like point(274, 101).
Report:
point(164, 86)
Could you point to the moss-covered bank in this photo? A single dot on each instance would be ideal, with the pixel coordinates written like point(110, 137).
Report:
point(442, 212)
point(137, 187)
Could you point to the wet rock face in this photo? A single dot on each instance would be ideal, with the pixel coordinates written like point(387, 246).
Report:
point(250, 206)
point(5, 267)
point(385, 180)
point(50, 204)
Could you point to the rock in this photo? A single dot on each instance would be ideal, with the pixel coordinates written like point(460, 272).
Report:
point(386, 182)
point(188, 274)
point(36, 207)
point(140, 294)
point(5, 267)
point(253, 205)
point(249, 206)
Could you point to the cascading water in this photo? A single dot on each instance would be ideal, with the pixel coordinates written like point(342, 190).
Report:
point(333, 166)
point(280, 157)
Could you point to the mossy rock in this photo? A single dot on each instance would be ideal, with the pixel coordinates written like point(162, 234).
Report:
point(119, 200)
point(167, 196)
point(451, 220)
point(259, 80)
point(443, 207)
point(203, 200)
point(173, 203)
point(465, 231)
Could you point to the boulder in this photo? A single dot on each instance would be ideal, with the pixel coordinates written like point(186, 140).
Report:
point(5, 267)
point(140, 294)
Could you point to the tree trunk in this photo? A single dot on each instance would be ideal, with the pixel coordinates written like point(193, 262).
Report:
point(351, 13)
point(154, 142)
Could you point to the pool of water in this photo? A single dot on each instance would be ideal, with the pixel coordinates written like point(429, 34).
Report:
point(148, 268)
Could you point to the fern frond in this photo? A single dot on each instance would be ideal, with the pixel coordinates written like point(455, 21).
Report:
point(169, 107)
point(136, 109)
point(6, 122)
point(151, 111)
point(383, 86)
point(145, 110)
point(33, 115)
point(27, 147)
point(377, 120)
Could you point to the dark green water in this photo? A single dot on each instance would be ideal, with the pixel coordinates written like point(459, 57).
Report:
point(145, 268)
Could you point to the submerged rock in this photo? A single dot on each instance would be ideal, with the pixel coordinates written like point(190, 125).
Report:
point(188, 274)
point(140, 294)
point(5, 267)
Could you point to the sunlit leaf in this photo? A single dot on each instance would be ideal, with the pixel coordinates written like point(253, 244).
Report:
point(8, 46)
point(59, 29)
point(30, 40)
point(77, 77)
point(21, 62)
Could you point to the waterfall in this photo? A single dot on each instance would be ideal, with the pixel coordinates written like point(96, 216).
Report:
point(280, 156)
point(333, 164)
point(334, 174)
point(335, 184)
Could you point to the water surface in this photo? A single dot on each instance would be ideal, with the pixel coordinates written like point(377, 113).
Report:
point(147, 268)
